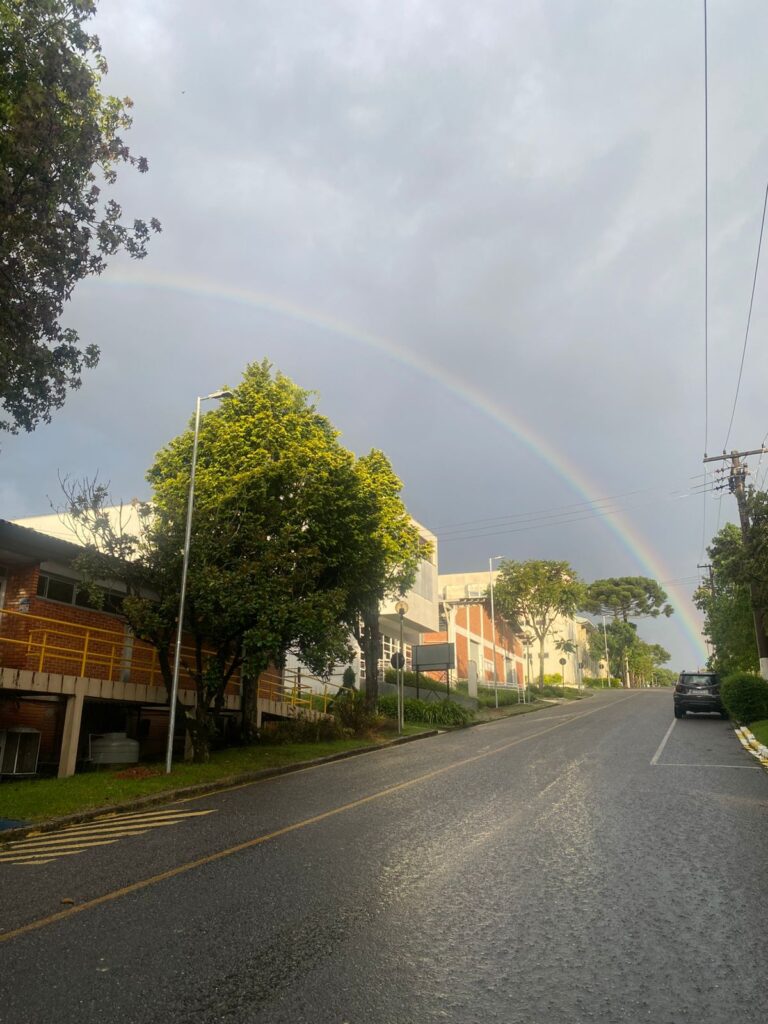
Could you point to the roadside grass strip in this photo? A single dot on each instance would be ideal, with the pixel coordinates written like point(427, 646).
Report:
point(43, 847)
point(753, 745)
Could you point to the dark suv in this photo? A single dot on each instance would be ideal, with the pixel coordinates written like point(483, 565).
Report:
point(698, 691)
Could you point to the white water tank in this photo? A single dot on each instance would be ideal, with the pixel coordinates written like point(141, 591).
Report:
point(112, 748)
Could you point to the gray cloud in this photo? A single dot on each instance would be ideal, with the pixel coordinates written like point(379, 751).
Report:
point(512, 191)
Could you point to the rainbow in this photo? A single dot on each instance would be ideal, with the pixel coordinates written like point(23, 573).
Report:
point(629, 537)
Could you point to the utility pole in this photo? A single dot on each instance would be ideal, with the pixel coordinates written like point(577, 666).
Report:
point(710, 573)
point(737, 486)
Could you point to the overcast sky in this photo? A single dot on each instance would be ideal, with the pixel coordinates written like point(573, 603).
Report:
point(510, 194)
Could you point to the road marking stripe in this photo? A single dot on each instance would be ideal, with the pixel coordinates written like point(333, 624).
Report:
point(75, 840)
point(51, 855)
point(249, 844)
point(64, 844)
point(663, 743)
point(692, 764)
point(120, 819)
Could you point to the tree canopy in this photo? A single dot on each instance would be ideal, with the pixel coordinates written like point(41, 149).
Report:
point(725, 601)
point(627, 597)
point(292, 538)
point(61, 143)
point(532, 594)
point(385, 557)
point(628, 654)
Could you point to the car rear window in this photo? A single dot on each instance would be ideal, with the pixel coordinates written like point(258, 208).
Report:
point(698, 680)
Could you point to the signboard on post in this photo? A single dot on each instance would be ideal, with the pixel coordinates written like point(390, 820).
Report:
point(433, 657)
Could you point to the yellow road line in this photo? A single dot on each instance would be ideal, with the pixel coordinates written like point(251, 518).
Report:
point(249, 844)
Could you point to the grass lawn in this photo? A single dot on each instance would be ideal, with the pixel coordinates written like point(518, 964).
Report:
point(42, 799)
point(760, 731)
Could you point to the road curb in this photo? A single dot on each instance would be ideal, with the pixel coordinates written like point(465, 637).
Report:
point(752, 745)
point(168, 796)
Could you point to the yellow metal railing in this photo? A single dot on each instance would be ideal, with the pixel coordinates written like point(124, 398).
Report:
point(54, 645)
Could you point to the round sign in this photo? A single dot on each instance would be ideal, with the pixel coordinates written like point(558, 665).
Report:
point(563, 661)
point(397, 660)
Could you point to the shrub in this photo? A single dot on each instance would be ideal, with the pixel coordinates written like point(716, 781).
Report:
point(409, 679)
point(348, 679)
point(600, 682)
point(432, 712)
point(300, 730)
point(352, 713)
point(745, 697)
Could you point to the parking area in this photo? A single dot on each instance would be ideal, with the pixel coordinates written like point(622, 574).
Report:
point(701, 741)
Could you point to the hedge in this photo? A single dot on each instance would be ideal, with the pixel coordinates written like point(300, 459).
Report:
point(745, 697)
point(443, 712)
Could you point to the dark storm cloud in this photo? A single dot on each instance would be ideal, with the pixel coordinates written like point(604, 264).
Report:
point(512, 190)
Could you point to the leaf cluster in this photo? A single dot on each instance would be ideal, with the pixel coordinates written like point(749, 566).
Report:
point(61, 144)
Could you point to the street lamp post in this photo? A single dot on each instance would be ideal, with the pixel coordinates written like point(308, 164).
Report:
point(184, 568)
point(401, 608)
point(494, 558)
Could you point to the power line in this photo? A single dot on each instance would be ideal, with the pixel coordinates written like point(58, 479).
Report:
point(749, 320)
point(706, 273)
point(536, 521)
point(706, 237)
point(572, 507)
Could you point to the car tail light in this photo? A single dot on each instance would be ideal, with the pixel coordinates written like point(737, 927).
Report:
point(680, 688)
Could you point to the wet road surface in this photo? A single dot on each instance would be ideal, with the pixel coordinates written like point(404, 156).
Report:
point(593, 862)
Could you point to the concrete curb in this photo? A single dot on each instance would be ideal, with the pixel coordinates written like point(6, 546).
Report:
point(168, 796)
point(752, 745)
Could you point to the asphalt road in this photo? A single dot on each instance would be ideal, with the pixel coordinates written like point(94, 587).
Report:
point(580, 864)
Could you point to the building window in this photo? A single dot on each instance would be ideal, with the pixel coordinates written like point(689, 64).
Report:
point(54, 588)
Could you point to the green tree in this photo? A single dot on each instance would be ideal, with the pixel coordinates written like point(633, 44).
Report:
point(725, 601)
point(387, 553)
point(532, 594)
point(627, 597)
point(281, 513)
point(644, 659)
point(621, 637)
point(60, 147)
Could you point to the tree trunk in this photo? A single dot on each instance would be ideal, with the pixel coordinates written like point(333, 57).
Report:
point(541, 664)
point(371, 648)
point(200, 724)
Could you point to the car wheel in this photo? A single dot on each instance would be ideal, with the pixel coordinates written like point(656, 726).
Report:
point(679, 713)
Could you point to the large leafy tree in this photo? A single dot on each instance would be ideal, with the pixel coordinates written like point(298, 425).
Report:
point(627, 597)
point(532, 594)
point(290, 534)
point(61, 144)
point(387, 553)
point(725, 601)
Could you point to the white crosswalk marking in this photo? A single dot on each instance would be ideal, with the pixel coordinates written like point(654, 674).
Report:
point(43, 847)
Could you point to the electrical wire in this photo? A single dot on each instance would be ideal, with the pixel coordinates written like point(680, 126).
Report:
point(542, 519)
point(707, 237)
point(572, 507)
point(706, 272)
point(749, 321)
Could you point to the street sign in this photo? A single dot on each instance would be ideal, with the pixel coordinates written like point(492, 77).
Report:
point(397, 660)
point(434, 657)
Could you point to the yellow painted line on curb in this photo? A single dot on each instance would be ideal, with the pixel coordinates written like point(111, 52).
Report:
point(249, 844)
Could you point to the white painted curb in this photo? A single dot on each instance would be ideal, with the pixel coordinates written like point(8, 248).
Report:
point(751, 744)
